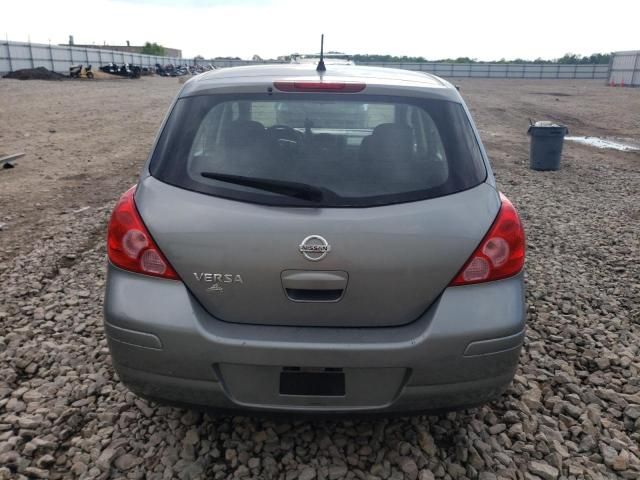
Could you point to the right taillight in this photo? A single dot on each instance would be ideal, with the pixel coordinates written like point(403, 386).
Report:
point(501, 252)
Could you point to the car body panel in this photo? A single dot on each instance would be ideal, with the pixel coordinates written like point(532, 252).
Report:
point(398, 258)
point(204, 359)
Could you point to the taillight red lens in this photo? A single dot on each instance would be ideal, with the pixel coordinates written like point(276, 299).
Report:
point(306, 86)
point(501, 252)
point(129, 244)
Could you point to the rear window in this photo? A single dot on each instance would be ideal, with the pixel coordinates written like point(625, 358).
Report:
point(351, 150)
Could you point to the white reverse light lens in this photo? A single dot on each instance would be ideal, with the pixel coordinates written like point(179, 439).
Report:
point(152, 262)
point(477, 270)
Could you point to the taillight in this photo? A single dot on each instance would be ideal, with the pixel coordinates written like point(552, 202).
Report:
point(307, 86)
point(129, 244)
point(501, 252)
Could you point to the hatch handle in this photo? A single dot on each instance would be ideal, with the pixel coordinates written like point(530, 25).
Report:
point(314, 285)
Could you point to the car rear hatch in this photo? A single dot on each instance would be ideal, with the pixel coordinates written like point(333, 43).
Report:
point(386, 265)
point(357, 213)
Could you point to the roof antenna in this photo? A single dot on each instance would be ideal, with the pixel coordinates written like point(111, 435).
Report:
point(321, 67)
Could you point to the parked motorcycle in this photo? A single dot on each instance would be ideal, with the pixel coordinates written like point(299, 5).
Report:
point(170, 70)
point(125, 70)
point(76, 71)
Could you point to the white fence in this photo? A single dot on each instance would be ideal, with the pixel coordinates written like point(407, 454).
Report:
point(625, 69)
point(18, 55)
point(505, 70)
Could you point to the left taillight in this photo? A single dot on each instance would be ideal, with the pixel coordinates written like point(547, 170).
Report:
point(129, 244)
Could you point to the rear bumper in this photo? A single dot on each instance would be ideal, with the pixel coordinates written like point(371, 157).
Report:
point(463, 351)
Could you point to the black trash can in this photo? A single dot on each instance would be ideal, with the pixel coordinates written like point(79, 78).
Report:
point(546, 145)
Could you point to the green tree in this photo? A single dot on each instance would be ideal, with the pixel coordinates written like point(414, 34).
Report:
point(153, 49)
point(598, 58)
point(572, 58)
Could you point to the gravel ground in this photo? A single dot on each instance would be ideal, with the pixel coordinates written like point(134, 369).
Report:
point(573, 410)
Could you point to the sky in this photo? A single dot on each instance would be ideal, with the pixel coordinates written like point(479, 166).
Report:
point(482, 29)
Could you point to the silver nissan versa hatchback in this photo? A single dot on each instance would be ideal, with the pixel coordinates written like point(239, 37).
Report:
point(340, 262)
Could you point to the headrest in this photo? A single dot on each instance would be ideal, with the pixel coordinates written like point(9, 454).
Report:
point(242, 133)
point(391, 140)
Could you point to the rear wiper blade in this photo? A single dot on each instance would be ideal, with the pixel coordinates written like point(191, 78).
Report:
point(283, 187)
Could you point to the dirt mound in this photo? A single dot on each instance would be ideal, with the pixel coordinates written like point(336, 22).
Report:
point(39, 73)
